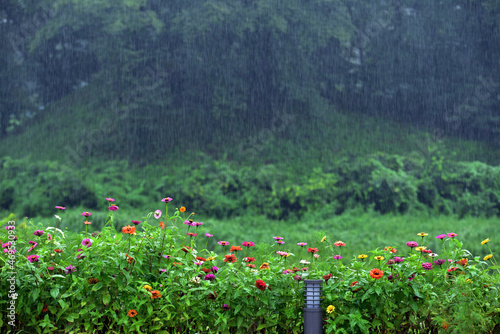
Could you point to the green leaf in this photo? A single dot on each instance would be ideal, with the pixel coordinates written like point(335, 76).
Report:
point(35, 294)
point(54, 292)
point(237, 309)
point(106, 298)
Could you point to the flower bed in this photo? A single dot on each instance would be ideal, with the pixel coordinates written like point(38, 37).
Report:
point(157, 275)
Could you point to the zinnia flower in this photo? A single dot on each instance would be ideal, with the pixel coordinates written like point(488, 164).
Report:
point(230, 258)
point(327, 277)
point(302, 244)
point(58, 250)
point(487, 257)
point(110, 199)
point(330, 309)
point(162, 225)
point(61, 207)
point(10, 227)
point(87, 222)
point(155, 294)
point(226, 307)
point(362, 257)
point(132, 313)
point(166, 199)
point(182, 209)
point(323, 239)
point(191, 234)
point(38, 232)
point(208, 235)
point(427, 265)
point(379, 258)
point(70, 269)
point(260, 284)
point(196, 224)
point(312, 250)
point(87, 242)
point(439, 262)
point(147, 287)
point(223, 243)
point(113, 208)
point(265, 265)
point(278, 238)
point(452, 235)
point(337, 257)
point(412, 244)
point(422, 234)
point(33, 258)
point(441, 236)
point(157, 214)
point(248, 244)
point(235, 249)
point(209, 277)
point(390, 249)
point(339, 244)
point(420, 248)
point(398, 259)
point(129, 229)
point(136, 222)
point(85, 214)
point(376, 273)
point(485, 241)
point(249, 259)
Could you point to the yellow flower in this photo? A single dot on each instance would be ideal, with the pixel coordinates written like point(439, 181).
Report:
point(362, 256)
point(469, 280)
point(487, 257)
point(422, 234)
point(421, 248)
point(147, 287)
point(265, 265)
point(210, 258)
point(323, 239)
point(330, 309)
point(485, 241)
point(379, 258)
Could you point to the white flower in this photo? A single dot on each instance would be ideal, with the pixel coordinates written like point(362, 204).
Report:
point(196, 280)
point(304, 262)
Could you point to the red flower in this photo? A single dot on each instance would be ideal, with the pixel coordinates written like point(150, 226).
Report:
point(251, 265)
point(206, 270)
point(312, 250)
point(327, 277)
point(186, 249)
point(230, 258)
point(376, 273)
point(260, 284)
point(249, 259)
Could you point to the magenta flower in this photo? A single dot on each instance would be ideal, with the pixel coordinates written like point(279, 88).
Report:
point(6, 245)
point(50, 268)
point(439, 262)
point(163, 270)
point(166, 200)
point(214, 269)
point(208, 235)
point(85, 214)
point(452, 235)
point(38, 233)
point(197, 224)
point(167, 257)
point(110, 199)
point(248, 244)
point(70, 269)
point(188, 223)
point(411, 277)
point(61, 207)
point(10, 251)
point(223, 243)
point(226, 307)
point(157, 214)
point(34, 243)
point(398, 259)
point(49, 236)
point(10, 228)
point(209, 277)
point(278, 238)
point(411, 244)
point(427, 265)
point(281, 242)
point(441, 236)
point(87, 242)
point(336, 257)
point(79, 255)
point(113, 208)
point(198, 263)
point(32, 258)
point(136, 222)
point(302, 244)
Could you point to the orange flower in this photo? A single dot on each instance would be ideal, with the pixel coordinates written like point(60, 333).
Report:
point(235, 249)
point(445, 325)
point(463, 262)
point(129, 229)
point(177, 263)
point(155, 294)
point(199, 258)
point(93, 280)
point(87, 223)
point(376, 273)
point(162, 225)
point(129, 258)
point(265, 265)
point(186, 249)
point(132, 313)
point(230, 258)
point(182, 209)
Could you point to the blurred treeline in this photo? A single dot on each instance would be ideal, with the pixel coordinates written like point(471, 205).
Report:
point(201, 72)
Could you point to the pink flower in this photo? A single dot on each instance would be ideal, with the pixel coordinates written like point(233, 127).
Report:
point(50, 268)
point(412, 244)
point(441, 236)
point(49, 236)
point(339, 244)
point(38, 233)
point(32, 258)
point(278, 238)
point(157, 214)
point(85, 214)
point(61, 207)
point(208, 235)
point(197, 224)
point(427, 265)
point(113, 208)
point(110, 199)
point(136, 222)
point(248, 244)
point(166, 200)
point(281, 242)
point(452, 235)
point(87, 242)
point(10, 228)
point(223, 243)
point(302, 244)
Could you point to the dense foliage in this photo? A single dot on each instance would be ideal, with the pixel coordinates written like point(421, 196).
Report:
point(157, 275)
point(225, 68)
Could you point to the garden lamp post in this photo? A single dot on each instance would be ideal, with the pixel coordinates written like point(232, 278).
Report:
point(313, 313)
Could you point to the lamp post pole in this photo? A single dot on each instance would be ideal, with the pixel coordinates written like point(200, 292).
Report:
point(313, 313)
